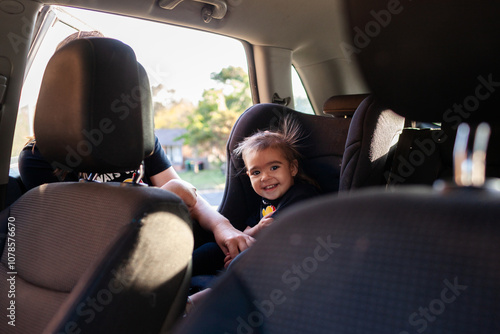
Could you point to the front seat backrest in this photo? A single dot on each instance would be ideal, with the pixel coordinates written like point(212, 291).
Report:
point(415, 260)
point(329, 267)
point(96, 257)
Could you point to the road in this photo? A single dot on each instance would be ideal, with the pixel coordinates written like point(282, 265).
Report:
point(213, 197)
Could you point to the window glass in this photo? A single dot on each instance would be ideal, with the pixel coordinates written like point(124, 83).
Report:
point(24, 123)
point(199, 83)
point(301, 99)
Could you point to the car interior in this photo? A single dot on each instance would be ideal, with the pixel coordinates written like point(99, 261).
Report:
point(403, 143)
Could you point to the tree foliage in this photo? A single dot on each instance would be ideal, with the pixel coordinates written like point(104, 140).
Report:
point(209, 126)
point(168, 112)
point(172, 116)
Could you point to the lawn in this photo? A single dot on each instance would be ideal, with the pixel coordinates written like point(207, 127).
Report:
point(205, 179)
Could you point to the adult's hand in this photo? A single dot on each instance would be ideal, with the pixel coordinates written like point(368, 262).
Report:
point(230, 240)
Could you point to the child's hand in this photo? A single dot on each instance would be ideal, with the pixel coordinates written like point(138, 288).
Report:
point(263, 223)
point(227, 260)
point(185, 190)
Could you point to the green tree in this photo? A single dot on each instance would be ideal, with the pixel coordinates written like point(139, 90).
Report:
point(209, 126)
point(168, 112)
point(172, 116)
point(237, 87)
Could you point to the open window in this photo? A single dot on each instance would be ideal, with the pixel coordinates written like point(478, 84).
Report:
point(301, 99)
point(199, 83)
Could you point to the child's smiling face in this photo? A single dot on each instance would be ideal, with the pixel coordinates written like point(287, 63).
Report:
point(270, 173)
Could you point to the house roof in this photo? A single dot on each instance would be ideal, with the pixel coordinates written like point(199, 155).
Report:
point(167, 136)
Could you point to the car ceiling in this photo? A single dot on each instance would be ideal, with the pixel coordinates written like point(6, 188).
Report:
point(313, 30)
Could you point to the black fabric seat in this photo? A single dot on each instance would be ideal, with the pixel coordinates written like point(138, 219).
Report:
point(95, 257)
point(329, 267)
point(15, 188)
point(412, 260)
point(418, 158)
point(373, 134)
point(322, 147)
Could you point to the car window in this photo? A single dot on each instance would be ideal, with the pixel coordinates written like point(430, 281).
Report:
point(300, 96)
point(199, 83)
point(26, 112)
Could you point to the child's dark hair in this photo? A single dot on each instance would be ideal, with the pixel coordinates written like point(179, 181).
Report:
point(285, 139)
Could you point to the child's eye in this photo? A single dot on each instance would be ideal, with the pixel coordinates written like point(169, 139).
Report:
point(255, 172)
point(275, 167)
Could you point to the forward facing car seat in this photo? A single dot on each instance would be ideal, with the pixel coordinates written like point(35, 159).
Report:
point(322, 147)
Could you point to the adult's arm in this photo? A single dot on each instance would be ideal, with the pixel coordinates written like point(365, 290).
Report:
point(230, 240)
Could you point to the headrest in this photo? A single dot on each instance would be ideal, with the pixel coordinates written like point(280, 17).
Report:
point(343, 105)
point(430, 60)
point(94, 111)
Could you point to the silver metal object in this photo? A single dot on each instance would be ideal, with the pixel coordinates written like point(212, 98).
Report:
point(470, 169)
point(217, 11)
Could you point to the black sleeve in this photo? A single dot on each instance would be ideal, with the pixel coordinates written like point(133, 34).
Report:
point(35, 170)
point(156, 162)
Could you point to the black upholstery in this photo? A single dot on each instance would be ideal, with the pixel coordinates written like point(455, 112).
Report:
point(105, 98)
point(418, 158)
point(431, 57)
point(15, 188)
point(374, 129)
point(96, 257)
point(413, 260)
point(442, 68)
point(139, 236)
point(322, 147)
point(373, 262)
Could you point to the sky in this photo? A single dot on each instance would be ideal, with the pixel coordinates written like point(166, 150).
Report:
point(179, 58)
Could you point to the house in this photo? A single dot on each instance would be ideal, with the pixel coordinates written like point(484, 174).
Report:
point(174, 147)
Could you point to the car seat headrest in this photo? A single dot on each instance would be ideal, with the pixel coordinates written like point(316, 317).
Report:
point(94, 111)
point(430, 60)
point(343, 105)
